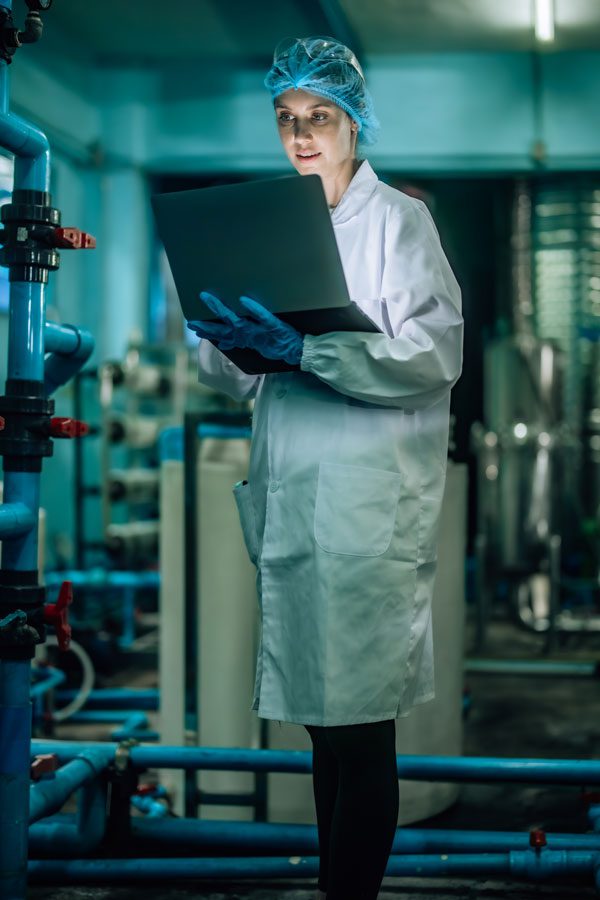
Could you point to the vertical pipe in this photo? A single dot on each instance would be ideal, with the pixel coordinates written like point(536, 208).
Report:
point(15, 738)
point(554, 554)
point(481, 590)
point(25, 362)
point(190, 492)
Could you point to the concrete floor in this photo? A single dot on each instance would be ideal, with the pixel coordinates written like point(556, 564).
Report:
point(551, 717)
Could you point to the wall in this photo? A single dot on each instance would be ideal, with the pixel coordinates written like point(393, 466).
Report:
point(109, 128)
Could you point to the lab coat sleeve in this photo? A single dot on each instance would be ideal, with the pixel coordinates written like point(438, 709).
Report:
point(218, 372)
point(420, 358)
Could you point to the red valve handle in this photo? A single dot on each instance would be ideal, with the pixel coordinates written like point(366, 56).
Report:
point(57, 614)
point(2, 423)
point(64, 427)
point(43, 764)
point(537, 838)
point(73, 239)
point(144, 789)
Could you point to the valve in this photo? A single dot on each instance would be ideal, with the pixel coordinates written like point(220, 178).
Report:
point(537, 838)
point(73, 239)
point(44, 764)
point(65, 427)
point(57, 614)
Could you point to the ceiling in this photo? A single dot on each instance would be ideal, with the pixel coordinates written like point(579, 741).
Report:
point(138, 32)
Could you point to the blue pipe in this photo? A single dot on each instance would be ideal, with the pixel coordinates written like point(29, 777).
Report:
point(48, 796)
point(70, 349)
point(532, 865)
point(51, 678)
point(15, 737)
point(150, 807)
point(135, 724)
point(414, 768)
point(286, 838)
point(74, 835)
point(115, 698)
point(25, 361)
point(16, 519)
point(99, 579)
point(594, 816)
point(531, 667)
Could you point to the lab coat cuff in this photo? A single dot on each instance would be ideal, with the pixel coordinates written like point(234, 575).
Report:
point(308, 353)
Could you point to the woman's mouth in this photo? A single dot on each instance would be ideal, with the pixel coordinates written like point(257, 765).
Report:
point(307, 156)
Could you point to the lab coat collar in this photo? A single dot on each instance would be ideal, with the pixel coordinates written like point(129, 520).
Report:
point(356, 195)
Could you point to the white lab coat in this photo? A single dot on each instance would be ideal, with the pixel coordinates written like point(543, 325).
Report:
point(346, 477)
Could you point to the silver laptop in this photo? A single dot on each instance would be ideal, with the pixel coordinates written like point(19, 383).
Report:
point(271, 240)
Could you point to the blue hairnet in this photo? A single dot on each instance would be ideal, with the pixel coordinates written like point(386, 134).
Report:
point(324, 66)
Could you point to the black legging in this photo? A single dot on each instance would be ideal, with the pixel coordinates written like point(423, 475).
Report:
point(355, 782)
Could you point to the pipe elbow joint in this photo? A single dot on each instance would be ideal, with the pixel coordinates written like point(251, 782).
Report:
point(64, 363)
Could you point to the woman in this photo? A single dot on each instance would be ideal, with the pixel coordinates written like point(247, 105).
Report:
point(347, 470)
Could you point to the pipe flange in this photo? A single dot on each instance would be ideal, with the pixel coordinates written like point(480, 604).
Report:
point(123, 755)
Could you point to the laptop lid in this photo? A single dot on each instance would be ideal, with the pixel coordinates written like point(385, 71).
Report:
point(271, 240)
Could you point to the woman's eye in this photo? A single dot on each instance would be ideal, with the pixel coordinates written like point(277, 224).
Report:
point(285, 118)
point(320, 117)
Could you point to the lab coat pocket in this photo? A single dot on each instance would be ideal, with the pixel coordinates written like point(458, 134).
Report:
point(356, 508)
point(243, 499)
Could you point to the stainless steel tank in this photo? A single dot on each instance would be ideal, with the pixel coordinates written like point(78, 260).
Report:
point(523, 479)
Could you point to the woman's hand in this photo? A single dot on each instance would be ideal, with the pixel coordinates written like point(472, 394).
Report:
point(263, 331)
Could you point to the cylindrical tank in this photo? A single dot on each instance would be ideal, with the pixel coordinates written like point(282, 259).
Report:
point(228, 623)
point(523, 382)
point(524, 481)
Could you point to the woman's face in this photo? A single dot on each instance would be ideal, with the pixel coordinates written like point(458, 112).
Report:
point(317, 135)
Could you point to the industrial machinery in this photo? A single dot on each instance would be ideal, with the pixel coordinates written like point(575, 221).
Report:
point(537, 450)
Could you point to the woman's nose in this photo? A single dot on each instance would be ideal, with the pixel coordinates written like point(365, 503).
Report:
point(302, 131)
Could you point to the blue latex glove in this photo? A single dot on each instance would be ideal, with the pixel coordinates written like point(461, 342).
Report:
point(263, 331)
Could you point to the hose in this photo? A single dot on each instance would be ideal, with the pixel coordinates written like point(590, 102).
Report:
point(87, 683)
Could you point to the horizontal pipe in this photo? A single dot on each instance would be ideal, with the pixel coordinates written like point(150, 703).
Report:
point(293, 838)
point(48, 796)
point(101, 579)
point(532, 667)
point(73, 835)
point(414, 768)
point(150, 807)
point(51, 678)
point(116, 698)
point(525, 864)
point(16, 519)
point(134, 723)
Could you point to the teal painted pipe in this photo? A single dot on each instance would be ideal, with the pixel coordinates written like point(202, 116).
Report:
point(115, 698)
point(532, 865)
point(27, 314)
point(73, 836)
point(414, 768)
point(16, 519)
point(288, 838)
point(134, 724)
point(532, 667)
point(48, 796)
point(15, 737)
point(70, 349)
point(51, 678)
